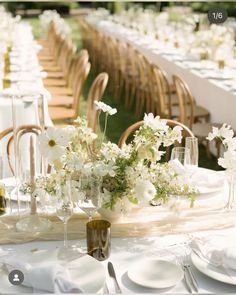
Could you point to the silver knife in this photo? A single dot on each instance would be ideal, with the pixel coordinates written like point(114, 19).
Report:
point(112, 274)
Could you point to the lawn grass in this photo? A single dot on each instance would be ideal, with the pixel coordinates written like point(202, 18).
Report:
point(120, 121)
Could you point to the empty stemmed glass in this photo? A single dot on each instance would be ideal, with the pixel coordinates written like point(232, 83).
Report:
point(64, 210)
point(89, 199)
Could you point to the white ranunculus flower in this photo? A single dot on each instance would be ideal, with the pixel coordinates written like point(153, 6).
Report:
point(155, 123)
point(229, 160)
point(177, 132)
point(99, 105)
point(144, 191)
point(230, 143)
point(52, 143)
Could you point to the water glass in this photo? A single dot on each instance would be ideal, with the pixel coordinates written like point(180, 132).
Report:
point(182, 154)
point(191, 143)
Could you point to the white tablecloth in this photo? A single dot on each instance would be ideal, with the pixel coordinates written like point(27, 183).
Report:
point(26, 113)
point(124, 252)
point(218, 96)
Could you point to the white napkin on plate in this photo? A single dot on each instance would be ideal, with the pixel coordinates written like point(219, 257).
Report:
point(218, 250)
point(50, 276)
point(206, 181)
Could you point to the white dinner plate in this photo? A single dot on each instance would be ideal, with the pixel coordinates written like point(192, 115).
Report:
point(217, 273)
point(87, 272)
point(155, 273)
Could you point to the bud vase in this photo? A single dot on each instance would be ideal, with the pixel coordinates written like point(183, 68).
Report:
point(230, 189)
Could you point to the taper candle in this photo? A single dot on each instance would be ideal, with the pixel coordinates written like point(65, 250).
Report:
point(33, 204)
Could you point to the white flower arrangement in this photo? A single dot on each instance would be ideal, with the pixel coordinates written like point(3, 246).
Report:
point(130, 175)
point(226, 135)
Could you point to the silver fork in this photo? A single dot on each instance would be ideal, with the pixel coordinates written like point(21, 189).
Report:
point(187, 269)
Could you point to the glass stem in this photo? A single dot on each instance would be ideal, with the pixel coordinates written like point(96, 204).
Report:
point(90, 217)
point(65, 235)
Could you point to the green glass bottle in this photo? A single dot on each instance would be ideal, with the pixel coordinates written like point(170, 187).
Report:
point(2, 199)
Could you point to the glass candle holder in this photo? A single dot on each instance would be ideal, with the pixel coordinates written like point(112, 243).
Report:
point(204, 55)
point(99, 239)
point(221, 64)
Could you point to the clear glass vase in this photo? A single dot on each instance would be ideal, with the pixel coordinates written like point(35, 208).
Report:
point(230, 189)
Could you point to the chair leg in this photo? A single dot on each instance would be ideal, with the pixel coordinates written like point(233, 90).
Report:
point(132, 96)
point(208, 150)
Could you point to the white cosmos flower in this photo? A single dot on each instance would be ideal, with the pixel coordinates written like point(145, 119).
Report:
point(155, 123)
point(224, 132)
point(144, 191)
point(52, 143)
point(99, 105)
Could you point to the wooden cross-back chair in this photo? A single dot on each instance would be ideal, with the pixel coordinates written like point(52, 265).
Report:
point(49, 62)
point(64, 113)
point(95, 93)
point(161, 98)
point(187, 111)
point(171, 123)
point(186, 102)
point(8, 134)
point(60, 93)
point(48, 42)
point(142, 103)
point(60, 78)
point(187, 116)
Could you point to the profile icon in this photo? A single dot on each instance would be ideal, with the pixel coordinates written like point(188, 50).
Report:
point(16, 277)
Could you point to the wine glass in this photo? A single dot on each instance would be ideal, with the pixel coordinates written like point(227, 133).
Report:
point(64, 211)
point(89, 199)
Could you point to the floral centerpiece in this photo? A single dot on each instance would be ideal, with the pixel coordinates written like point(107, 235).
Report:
point(131, 175)
point(225, 136)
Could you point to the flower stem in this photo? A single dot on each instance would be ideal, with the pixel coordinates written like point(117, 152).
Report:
point(105, 128)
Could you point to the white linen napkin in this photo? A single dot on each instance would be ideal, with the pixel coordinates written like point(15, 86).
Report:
point(206, 181)
point(218, 250)
point(50, 276)
point(177, 166)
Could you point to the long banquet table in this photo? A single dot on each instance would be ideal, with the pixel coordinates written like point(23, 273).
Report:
point(212, 88)
point(135, 238)
point(26, 86)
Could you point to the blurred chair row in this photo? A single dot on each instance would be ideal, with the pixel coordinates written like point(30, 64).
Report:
point(67, 73)
point(144, 86)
